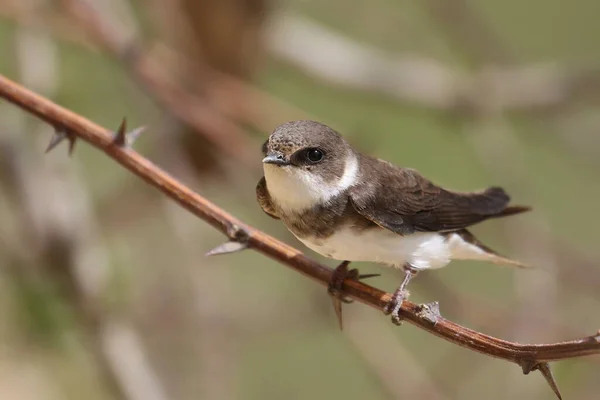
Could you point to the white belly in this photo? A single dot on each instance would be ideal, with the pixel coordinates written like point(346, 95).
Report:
point(421, 250)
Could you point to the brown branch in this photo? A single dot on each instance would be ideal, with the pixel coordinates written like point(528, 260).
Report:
point(528, 356)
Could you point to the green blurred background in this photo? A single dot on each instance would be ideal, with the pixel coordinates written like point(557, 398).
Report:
point(105, 292)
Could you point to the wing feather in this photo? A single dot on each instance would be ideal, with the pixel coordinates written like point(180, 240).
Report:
point(264, 199)
point(405, 202)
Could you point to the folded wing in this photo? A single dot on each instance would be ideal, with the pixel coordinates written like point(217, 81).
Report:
point(405, 202)
point(264, 198)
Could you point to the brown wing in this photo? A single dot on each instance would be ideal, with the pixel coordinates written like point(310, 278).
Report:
point(403, 201)
point(264, 198)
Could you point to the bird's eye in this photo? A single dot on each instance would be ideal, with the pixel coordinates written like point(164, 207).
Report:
point(314, 155)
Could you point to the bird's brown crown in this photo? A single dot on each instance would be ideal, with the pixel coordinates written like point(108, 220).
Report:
point(296, 135)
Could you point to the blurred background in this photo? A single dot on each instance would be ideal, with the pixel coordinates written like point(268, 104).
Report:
point(105, 292)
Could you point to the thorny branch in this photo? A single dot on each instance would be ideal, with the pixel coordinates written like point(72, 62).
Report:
point(529, 356)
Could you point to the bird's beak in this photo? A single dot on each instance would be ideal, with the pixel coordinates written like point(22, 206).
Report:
point(275, 158)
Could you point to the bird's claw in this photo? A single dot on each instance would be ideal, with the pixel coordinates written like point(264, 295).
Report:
point(334, 287)
point(394, 306)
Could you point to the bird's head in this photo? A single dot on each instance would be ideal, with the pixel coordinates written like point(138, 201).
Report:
point(307, 163)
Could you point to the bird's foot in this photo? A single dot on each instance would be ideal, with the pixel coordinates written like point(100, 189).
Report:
point(394, 306)
point(334, 288)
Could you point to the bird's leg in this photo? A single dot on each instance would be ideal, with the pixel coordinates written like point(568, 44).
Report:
point(401, 294)
point(334, 288)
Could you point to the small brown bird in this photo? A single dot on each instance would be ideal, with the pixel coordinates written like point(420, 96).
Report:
point(352, 207)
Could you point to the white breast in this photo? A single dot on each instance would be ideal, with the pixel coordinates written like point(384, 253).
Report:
point(421, 250)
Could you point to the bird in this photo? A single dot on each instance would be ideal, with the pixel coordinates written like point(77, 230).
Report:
point(350, 206)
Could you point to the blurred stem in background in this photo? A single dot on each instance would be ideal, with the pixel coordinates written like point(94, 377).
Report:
point(224, 36)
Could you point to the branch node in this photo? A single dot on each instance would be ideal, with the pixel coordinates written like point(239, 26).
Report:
point(60, 134)
point(237, 233)
point(227, 248)
point(238, 241)
point(122, 138)
point(527, 365)
point(429, 312)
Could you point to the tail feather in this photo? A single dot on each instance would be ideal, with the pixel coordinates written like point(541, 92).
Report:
point(465, 246)
point(511, 210)
point(497, 259)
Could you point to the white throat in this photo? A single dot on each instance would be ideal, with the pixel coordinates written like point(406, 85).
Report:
point(295, 189)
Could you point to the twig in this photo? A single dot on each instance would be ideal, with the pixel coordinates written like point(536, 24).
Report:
point(529, 356)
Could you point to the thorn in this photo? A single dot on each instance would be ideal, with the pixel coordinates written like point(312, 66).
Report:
point(226, 248)
point(120, 138)
point(334, 288)
point(366, 276)
point(547, 372)
point(60, 134)
point(71, 139)
point(56, 139)
point(337, 307)
point(134, 134)
point(544, 368)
